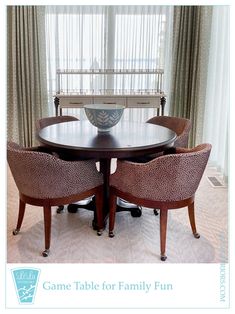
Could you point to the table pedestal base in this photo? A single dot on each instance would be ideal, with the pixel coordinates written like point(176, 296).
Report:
point(89, 204)
point(122, 205)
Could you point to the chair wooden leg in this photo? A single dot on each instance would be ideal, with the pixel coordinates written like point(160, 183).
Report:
point(47, 229)
point(112, 213)
point(163, 228)
point(20, 217)
point(192, 220)
point(99, 211)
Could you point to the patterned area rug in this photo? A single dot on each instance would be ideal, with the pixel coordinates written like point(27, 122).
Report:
point(136, 239)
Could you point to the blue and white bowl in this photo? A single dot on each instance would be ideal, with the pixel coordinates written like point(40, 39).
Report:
point(104, 116)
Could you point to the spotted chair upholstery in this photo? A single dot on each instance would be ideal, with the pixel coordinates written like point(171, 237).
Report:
point(180, 126)
point(167, 182)
point(44, 122)
point(45, 180)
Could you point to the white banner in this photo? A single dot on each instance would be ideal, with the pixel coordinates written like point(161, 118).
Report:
point(116, 286)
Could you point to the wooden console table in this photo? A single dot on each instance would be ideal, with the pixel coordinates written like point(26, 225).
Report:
point(67, 97)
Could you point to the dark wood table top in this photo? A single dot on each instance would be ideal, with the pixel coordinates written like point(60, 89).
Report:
point(126, 139)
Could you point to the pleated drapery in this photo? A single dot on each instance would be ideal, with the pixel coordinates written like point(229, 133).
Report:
point(191, 42)
point(26, 72)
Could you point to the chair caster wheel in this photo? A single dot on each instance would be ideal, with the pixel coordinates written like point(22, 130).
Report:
point(72, 208)
point(45, 253)
point(99, 233)
point(111, 234)
point(60, 209)
point(16, 231)
point(136, 212)
point(163, 258)
point(155, 211)
point(196, 235)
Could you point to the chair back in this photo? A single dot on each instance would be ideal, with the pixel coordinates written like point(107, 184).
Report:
point(179, 175)
point(44, 122)
point(180, 126)
point(167, 178)
point(32, 171)
point(44, 176)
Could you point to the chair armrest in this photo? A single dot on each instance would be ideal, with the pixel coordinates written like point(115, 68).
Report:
point(41, 149)
point(182, 150)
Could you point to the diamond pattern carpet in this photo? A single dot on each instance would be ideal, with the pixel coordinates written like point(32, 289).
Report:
point(136, 239)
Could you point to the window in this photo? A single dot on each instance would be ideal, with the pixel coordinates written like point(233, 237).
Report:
point(119, 37)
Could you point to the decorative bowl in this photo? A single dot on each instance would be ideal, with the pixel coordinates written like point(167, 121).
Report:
point(104, 116)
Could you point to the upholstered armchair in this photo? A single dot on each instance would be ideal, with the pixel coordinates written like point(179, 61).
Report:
point(180, 126)
point(167, 182)
point(44, 122)
point(45, 180)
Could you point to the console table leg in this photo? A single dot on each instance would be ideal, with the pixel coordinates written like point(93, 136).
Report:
point(56, 103)
point(163, 103)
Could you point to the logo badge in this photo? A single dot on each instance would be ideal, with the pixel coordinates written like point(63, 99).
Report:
point(26, 281)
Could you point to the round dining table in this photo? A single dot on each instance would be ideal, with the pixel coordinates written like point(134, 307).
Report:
point(80, 139)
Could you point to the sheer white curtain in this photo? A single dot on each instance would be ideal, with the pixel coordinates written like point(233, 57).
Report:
point(75, 38)
point(215, 129)
point(119, 37)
